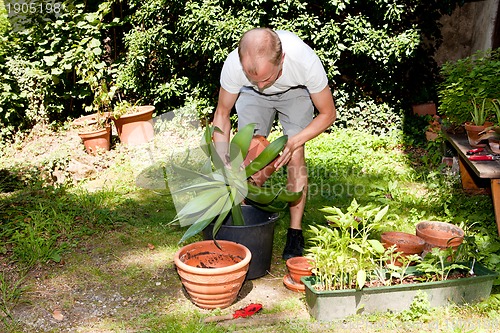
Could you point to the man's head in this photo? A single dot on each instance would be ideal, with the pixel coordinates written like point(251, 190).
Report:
point(261, 56)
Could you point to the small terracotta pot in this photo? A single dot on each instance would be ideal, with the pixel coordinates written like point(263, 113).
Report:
point(473, 133)
point(439, 234)
point(299, 267)
point(406, 243)
point(93, 141)
point(213, 276)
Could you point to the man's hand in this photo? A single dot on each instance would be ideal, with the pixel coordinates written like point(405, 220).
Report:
point(287, 153)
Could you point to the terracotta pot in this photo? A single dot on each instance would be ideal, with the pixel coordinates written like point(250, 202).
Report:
point(257, 145)
point(297, 268)
point(439, 234)
point(136, 128)
point(431, 136)
point(212, 276)
point(96, 140)
point(473, 133)
point(406, 243)
point(424, 109)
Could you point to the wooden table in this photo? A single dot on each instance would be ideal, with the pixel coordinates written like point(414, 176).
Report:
point(474, 173)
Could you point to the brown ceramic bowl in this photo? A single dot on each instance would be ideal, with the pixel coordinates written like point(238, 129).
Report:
point(440, 234)
point(405, 242)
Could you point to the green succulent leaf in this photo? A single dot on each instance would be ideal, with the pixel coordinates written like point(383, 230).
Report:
point(241, 141)
point(266, 156)
point(208, 146)
point(202, 202)
point(289, 196)
point(273, 207)
point(220, 210)
point(199, 186)
point(261, 195)
point(220, 219)
point(190, 173)
point(195, 229)
point(237, 215)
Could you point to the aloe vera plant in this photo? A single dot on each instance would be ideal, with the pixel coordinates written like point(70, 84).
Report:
point(222, 184)
point(479, 111)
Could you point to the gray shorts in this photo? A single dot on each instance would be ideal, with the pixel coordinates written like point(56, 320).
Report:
point(294, 108)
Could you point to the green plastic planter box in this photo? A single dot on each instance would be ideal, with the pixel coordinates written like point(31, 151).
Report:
point(336, 304)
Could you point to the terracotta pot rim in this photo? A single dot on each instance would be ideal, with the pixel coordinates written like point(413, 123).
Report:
point(392, 237)
point(439, 223)
point(97, 132)
point(300, 263)
point(469, 124)
point(455, 238)
point(89, 119)
point(143, 109)
point(212, 271)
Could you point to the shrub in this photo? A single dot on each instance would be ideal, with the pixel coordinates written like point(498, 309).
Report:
point(163, 51)
point(474, 77)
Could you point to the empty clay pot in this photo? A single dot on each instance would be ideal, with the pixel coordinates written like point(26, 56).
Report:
point(299, 267)
point(136, 128)
point(406, 243)
point(439, 234)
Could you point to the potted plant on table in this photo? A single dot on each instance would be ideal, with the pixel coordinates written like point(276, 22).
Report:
point(473, 77)
point(480, 112)
point(133, 123)
point(353, 272)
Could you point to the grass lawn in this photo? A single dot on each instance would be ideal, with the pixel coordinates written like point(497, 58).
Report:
point(96, 255)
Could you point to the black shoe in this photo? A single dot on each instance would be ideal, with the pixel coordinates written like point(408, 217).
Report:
point(294, 244)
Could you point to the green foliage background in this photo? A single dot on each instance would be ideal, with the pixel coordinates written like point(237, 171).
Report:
point(378, 54)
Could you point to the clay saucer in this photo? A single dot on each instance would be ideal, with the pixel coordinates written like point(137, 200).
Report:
point(290, 284)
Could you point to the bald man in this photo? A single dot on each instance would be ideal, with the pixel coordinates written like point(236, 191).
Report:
point(275, 72)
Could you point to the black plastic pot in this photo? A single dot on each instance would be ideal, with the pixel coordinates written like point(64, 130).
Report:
point(257, 235)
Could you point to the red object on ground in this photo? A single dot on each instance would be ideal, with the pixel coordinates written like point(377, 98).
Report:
point(247, 310)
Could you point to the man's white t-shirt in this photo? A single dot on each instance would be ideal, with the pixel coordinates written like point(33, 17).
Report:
point(301, 68)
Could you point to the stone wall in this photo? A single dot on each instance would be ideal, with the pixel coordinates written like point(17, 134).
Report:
point(468, 29)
